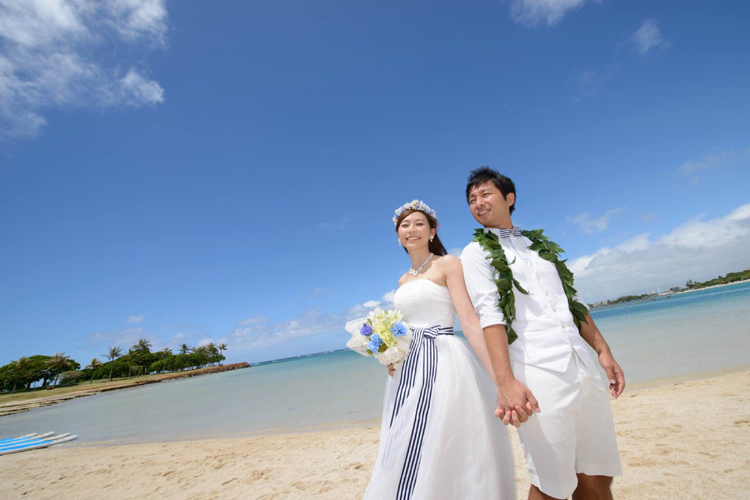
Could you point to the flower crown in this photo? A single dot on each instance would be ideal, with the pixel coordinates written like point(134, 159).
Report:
point(418, 205)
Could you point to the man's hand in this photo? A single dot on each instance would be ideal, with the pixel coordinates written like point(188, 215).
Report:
point(614, 373)
point(515, 403)
point(391, 370)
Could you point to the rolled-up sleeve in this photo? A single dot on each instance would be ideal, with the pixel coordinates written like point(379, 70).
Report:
point(479, 276)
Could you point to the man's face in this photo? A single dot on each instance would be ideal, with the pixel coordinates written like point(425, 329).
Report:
point(488, 206)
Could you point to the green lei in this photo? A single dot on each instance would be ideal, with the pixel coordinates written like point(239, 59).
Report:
point(549, 251)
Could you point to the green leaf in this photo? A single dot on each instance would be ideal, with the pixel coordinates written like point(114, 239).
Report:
point(547, 256)
point(520, 288)
point(512, 335)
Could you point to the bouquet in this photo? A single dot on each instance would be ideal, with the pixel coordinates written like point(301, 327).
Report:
point(380, 334)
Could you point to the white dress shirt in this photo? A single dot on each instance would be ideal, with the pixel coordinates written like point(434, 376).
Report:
point(547, 334)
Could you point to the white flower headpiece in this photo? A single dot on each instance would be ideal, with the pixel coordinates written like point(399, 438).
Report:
point(418, 205)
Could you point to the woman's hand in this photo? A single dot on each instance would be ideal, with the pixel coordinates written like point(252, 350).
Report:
point(391, 369)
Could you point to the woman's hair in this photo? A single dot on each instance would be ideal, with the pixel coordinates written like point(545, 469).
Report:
point(435, 246)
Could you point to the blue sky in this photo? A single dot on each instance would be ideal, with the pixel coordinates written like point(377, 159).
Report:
point(194, 172)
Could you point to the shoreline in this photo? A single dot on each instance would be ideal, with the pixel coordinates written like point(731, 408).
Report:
point(84, 389)
point(670, 447)
point(375, 422)
point(712, 286)
point(666, 295)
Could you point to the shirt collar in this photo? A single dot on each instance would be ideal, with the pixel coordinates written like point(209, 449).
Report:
point(505, 233)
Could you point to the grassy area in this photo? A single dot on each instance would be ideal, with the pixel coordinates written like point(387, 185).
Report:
point(24, 395)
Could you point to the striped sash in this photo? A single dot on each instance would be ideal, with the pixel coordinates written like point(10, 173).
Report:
point(422, 345)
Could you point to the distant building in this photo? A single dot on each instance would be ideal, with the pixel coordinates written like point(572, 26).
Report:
point(675, 289)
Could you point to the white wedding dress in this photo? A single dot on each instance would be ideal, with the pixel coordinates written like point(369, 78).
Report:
point(439, 438)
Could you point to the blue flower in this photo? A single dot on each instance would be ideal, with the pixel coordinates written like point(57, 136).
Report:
point(375, 343)
point(398, 329)
point(366, 330)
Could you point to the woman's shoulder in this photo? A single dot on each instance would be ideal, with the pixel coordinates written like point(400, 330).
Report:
point(448, 263)
point(403, 279)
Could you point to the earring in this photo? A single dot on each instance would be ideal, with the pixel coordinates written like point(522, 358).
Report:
point(432, 239)
point(399, 242)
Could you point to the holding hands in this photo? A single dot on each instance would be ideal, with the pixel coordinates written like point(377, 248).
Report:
point(515, 403)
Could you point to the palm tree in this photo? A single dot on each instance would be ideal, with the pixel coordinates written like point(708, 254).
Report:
point(166, 352)
point(114, 352)
point(58, 363)
point(129, 355)
point(142, 345)
point(222, 348)
point(184, 348)
point(212, 351)
point(94, 365)
point(20, 368)
point(203, 354)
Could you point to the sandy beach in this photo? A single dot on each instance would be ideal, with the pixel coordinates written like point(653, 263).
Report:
point(678, 440)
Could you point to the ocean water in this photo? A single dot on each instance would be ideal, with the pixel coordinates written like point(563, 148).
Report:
point(685, 334)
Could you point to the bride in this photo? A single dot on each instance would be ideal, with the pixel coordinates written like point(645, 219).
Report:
point(439, 437)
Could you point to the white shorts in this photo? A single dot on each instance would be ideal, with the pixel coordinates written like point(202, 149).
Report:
point(574, 433)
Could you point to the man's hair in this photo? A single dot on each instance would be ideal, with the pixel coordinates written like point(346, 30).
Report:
point(483, 174)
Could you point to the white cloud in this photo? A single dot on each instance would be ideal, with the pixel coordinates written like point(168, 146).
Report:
point(589, 82)
point(204, 341)
point(698, 249)
point(252, 321)
point(259, 335)
point(345, 221)
point(592, 225)
point(648, 37)
point(53, 54)
point(124, 338)
point(136, 319)
point(716, 158)
point(646, 218)
point(534, 12)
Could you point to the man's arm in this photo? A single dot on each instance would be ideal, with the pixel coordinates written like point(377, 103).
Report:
point(511, 394)
point(593, 337)
point(514, 399)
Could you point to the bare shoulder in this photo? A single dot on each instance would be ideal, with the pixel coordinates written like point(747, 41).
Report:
point(450, 264)
point(402, 279)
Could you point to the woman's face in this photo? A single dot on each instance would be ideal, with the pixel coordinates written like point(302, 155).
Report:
point(415, 232)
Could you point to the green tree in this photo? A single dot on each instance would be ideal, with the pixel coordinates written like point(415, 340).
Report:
point(143, 345)
point(94, 365)
point(165, 354)
point(184, 349)
point(59, 363)
point(21, 369)
point(114, 353)
point(222, 348)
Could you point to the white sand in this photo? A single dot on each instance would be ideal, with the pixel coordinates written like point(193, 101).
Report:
point(682, 440)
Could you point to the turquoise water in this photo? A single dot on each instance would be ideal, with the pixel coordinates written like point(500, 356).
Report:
point(686, 333)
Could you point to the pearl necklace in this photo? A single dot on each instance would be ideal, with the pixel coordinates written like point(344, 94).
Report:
point(416, 272)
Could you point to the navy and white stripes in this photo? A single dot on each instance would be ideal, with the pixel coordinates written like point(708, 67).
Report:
point(422, 348)
point(504, 233)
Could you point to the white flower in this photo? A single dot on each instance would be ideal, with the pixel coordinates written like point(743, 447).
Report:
point(355, 325)
point(358, 343)
point(392, 355)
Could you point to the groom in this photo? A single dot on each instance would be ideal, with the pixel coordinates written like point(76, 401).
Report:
point(524, 297)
